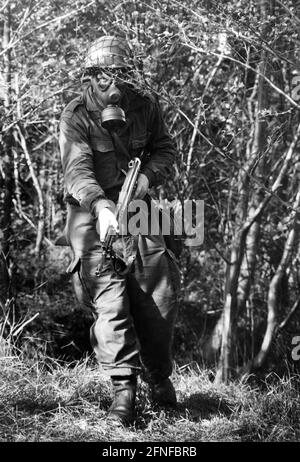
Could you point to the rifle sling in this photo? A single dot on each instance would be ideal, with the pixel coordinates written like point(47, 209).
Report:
point(119, 145)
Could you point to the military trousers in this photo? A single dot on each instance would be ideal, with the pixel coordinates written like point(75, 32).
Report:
point(134, 313)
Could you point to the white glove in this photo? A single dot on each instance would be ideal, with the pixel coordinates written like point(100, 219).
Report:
point(106, 218)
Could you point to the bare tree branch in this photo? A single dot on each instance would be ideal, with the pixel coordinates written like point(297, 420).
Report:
point(41, 219)
point(290, 314)
point(273, 289)
point(246, 66)
point(45, 24)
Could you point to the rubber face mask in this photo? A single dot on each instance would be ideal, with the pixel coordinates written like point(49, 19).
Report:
point(108, 85)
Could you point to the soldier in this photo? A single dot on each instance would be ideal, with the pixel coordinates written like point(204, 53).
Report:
point(134, 313)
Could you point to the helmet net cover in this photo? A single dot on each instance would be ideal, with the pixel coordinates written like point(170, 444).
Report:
point(109, 52)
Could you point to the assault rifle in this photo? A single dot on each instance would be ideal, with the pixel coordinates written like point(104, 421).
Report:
point(124, 199)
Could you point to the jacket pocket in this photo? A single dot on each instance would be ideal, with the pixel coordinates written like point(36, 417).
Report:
point(101, 145)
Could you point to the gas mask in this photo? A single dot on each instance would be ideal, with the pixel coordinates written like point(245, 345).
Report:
point(108, 85)
point(111, 65)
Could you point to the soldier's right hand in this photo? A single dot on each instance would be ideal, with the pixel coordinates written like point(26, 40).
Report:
point(106, 219)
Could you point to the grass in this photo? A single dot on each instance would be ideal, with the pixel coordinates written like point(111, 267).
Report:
point(47, 401)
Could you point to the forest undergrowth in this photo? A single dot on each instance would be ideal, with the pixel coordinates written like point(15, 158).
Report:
point(47, 400)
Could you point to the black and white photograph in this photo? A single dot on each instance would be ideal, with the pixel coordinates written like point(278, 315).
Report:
point(149, 224)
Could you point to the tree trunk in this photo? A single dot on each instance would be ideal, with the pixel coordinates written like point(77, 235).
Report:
point(7, 180)
point(41, 215)
point(244, 240)
point(273, 294)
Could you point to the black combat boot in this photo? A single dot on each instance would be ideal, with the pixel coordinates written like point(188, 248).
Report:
point(163, 393)
point(121, 412)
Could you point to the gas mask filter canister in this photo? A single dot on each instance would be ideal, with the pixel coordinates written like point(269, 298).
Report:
point(112, 116)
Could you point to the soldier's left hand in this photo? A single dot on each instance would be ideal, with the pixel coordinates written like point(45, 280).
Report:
point(141, 187)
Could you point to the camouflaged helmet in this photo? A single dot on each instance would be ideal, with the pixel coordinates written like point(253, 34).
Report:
point(108, 52)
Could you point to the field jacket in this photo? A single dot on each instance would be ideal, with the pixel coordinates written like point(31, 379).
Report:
point(92, 163)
